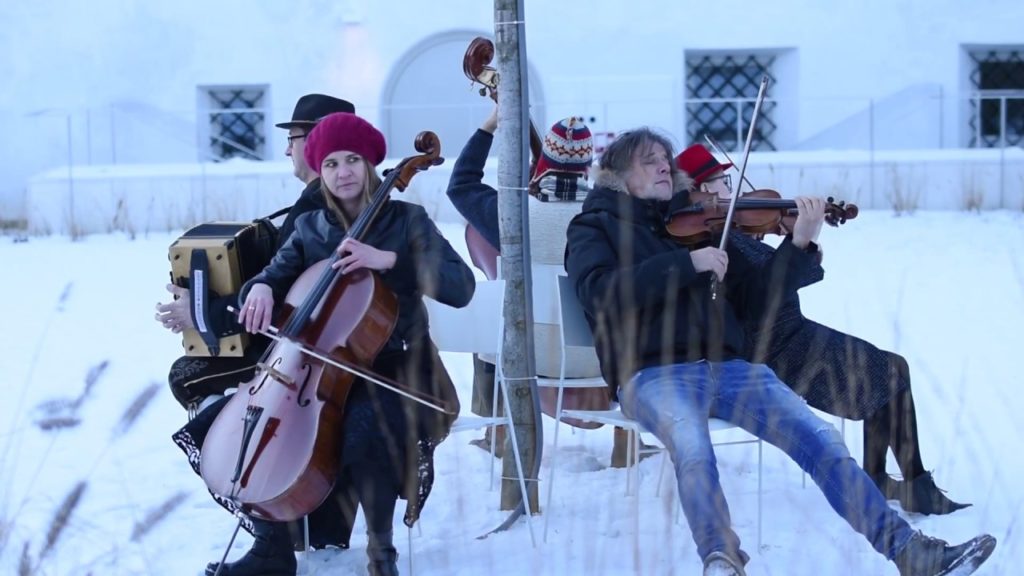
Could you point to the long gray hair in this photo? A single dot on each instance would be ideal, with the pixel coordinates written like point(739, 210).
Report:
point(619, 155)
point(618, 158)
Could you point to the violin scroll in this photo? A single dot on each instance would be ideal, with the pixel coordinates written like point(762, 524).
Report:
point(837, 213)
point(476, 66)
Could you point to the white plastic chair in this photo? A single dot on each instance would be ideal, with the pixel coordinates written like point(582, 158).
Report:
point(575, 331)
point(477, 329)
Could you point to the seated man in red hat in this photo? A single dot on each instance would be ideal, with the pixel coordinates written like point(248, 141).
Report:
point(835, 372)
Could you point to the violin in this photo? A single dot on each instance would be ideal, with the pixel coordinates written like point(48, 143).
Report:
point(758, 213)
point(275, 447)
point(476, 66)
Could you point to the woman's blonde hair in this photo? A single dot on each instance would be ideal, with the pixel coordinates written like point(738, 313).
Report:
point(370, 186)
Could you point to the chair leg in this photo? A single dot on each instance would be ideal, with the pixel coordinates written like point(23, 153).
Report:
point(629, 459)
point(636, 461)
point(661, 473)
point(409, 553)
point(494, 429)
point(303, 560)
point(551, 463)
point(760, 489)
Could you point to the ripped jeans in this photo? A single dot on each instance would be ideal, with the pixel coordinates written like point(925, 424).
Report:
point(674, 402)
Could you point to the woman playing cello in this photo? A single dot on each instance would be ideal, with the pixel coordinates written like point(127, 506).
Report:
point(387, 442)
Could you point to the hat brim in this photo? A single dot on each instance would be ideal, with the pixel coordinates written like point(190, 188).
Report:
point(296, 124)
point(703, 175)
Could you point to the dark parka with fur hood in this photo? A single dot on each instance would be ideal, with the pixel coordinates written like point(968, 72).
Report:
point(644, 300)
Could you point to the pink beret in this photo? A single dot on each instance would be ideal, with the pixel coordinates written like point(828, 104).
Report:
point(344, 131)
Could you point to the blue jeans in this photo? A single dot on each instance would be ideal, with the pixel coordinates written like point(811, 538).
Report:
point(674, 403)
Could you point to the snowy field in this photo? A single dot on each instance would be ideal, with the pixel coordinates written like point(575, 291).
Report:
point(86, 419)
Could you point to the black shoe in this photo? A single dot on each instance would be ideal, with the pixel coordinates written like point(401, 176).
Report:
point(927, 556)
point(271, 554)
point(721, 564)
point(382, 554)
point(921, 496)
point(888, 485)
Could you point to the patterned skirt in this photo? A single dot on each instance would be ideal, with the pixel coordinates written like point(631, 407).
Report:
point(835, 372)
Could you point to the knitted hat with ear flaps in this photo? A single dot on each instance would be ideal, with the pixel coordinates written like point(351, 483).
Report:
point(567, 148)
point(344, 131)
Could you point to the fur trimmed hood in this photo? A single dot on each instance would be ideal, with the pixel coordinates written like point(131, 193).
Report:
point(605, 178)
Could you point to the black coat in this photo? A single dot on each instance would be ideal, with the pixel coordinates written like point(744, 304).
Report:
point(225, 323)
point(476, 201)
point(835, 372)
point(638, 285)
point(427, 265)
point(379, 424)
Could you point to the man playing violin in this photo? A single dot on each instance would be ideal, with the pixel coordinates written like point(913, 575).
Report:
point(672, 347)
point(835, 372)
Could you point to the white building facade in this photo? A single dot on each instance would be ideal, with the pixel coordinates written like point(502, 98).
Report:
point(112, 82)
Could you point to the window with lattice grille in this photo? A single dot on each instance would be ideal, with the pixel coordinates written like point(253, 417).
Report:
point(236, 118)
point(720, 93)
point(997, 102)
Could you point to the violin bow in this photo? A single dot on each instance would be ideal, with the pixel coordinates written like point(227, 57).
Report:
point(271, 333)
point(743, 171)
point(714, 144)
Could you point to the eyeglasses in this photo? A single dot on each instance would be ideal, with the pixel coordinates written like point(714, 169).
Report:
point(293, 137)
point(726, 180)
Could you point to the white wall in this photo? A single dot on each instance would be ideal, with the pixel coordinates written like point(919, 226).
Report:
point(155, 198)
point(115, 82)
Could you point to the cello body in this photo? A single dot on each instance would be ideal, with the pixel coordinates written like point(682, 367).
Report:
point(287, 419)
point(274, 449)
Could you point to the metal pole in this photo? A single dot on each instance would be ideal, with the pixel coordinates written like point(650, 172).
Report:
point(871, 149)
point(739, 122)
point(113, 138)
point(72, 227)
point(977, 120)
point(1002, 121)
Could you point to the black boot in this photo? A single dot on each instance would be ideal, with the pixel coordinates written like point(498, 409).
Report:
point(271, 554)
point(921, 496)
point(382, 554)
point(927, 556)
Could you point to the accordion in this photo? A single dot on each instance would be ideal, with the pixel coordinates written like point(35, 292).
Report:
point(214, 259)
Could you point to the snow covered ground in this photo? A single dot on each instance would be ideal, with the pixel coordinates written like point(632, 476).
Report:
point(86, 418)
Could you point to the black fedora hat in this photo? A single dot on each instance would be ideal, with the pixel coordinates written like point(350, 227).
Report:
point(312, 107)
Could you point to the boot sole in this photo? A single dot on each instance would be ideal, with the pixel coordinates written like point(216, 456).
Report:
point(211, 572)
point(972, 558)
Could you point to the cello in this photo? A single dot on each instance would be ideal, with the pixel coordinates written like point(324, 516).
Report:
point(274, 450)
point(476, 66)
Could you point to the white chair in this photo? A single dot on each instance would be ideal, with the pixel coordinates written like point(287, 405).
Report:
point(477, 329)
point(575, 331)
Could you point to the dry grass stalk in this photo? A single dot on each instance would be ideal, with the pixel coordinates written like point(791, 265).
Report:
point(90, 380)
point(157, 515)
point(136, 407)
point(58, 423)
point(62, 518)
point(25, 562)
